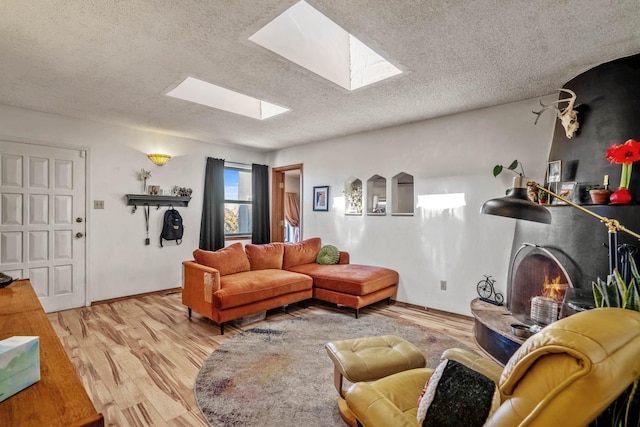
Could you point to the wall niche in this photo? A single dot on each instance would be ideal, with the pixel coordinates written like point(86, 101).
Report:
point(377, 195)
point(402, 194)
point(353, 196)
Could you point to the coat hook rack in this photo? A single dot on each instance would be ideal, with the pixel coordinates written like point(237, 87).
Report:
point(136, 200)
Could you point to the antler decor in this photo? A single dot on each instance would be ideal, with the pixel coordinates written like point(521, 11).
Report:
point(568, 116)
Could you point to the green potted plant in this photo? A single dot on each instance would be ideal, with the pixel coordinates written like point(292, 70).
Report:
point(518, 182)
point(543, 197)
point(497, 169)
point(599, 195)
point(625, 410)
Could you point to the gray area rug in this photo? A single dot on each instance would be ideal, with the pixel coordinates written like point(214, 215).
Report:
point(279, 374)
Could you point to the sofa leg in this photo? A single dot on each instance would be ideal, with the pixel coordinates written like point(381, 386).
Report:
point(189, 312)
point(357, 312)
point(389, 301)
point(222, 328)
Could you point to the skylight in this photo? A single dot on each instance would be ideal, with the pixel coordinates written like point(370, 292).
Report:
point(201, 92)
point(308, 38)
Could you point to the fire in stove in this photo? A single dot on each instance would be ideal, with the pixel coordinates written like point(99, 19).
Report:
point(554, 289)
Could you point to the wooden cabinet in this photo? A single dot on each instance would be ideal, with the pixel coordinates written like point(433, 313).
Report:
point(59, 398)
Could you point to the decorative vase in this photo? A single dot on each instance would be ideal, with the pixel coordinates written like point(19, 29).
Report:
point(620, 197)
point(599, 197)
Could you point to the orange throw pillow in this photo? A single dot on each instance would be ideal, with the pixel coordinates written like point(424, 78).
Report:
point(229, 260)
point(304, 252)
point(265, 256)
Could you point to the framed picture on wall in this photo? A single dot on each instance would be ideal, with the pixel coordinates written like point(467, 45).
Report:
point(568, 191)
point(554, 173)
point(153, 190)
point(321, 198)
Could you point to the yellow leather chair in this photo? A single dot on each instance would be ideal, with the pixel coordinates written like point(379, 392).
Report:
point(565, 375)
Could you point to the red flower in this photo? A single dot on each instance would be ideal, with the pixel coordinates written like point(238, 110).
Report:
point(625, 154)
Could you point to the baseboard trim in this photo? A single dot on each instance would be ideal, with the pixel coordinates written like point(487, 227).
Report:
point(312, 300)
point(435, 310)
point(144, 294)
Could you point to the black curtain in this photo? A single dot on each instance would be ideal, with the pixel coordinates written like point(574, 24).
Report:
point(212, 222)
point(261, 231)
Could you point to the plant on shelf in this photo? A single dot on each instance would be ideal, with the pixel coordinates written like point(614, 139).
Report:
point(354, 197)
point(144, 175)
point(181, 191)
point(599, 195)
point(624, 154)
point(497, 169)
point(543, 197)
point(625, 410)
point(513, 167)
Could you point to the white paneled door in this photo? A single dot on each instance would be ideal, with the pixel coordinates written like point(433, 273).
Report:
point(42, 221)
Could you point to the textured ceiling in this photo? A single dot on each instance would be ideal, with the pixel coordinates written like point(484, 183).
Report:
point(112, 61)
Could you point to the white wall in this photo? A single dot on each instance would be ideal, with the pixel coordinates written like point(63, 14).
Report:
point(453, 154)
point(119, 263)
point(445, 155)
point(291, 183)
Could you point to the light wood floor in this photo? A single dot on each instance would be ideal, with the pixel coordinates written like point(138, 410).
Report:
point(138, 358)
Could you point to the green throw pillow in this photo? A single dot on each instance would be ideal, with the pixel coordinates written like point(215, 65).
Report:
point(328, 255)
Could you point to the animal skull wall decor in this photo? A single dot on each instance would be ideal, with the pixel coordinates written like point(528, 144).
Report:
point(568, 116)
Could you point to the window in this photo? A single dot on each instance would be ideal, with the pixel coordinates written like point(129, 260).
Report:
point(237, 202)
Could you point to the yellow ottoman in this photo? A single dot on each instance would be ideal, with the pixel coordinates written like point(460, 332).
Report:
point(368, 359)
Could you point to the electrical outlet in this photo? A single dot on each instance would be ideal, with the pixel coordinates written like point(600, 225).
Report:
point(443, 285)
point(98, 204)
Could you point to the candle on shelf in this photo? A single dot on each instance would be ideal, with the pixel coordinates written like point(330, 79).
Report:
point(606, 181)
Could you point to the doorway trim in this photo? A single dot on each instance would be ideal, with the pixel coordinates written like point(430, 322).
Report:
point(277, 200)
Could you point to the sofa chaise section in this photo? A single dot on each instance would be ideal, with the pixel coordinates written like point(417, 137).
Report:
point(349, 285)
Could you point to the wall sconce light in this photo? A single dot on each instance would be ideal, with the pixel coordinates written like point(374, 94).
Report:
point(159, 159)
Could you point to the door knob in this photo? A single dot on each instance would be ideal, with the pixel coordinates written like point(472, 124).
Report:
point(79, 235)
point(78, 219)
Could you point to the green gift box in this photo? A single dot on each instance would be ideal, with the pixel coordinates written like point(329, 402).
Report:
point(19, 364)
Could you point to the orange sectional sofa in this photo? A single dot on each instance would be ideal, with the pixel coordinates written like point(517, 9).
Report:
point(234, 281)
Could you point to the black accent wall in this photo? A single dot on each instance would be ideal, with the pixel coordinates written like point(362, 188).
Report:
point(608, 104)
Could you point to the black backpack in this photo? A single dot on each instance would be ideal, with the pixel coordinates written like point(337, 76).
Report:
point(172, 227)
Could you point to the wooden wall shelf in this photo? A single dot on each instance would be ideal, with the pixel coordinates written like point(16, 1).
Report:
point(136, 200)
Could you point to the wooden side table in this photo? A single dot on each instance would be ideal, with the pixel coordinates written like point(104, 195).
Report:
point(59, 398)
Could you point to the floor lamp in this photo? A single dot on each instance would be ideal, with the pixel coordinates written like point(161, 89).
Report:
point(518, 205)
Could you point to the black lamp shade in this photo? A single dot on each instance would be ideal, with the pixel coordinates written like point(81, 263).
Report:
point(517, 205)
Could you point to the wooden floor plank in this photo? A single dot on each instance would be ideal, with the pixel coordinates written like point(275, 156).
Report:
point(138, 358)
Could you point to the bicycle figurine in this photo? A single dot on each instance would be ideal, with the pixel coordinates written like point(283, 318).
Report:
point(486, 291)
